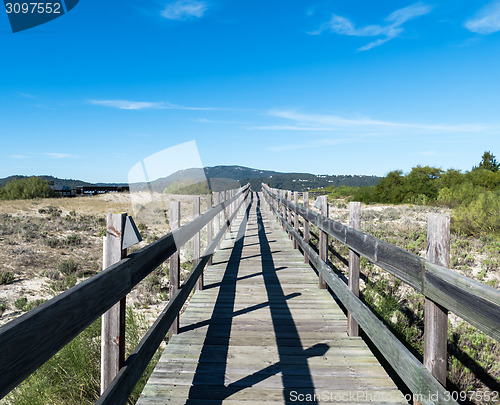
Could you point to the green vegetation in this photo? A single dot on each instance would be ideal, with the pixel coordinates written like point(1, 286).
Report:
point(474, 195)
point(178, 187)
point(71, 377)
point(6, 277)
point(26, 188)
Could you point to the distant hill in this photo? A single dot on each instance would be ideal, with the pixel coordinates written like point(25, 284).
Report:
point(57, 182)
point(228, 177)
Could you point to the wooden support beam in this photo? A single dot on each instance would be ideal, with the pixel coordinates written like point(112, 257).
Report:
point(436, 316)
point(196, 241)
point(210, 228)
point(323, 240)
point(295, 217)
point(113, 320)
point(306, 225)
point(217, 221)
point(174, 261)
point(354, 266)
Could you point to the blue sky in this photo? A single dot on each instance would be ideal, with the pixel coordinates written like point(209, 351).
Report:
point(327, 87)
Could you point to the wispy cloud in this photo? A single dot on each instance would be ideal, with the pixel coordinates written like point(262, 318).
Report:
point(184, 10)
point(487, 20)
point(19, 156)
point(143, 105)
point(324, 122)
point(26, 95)
point(393, 27)
point(127, 104)
point(55, 155)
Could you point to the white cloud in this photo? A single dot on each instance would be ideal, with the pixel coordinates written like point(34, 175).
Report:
point(55, 155)
point(127, 104)
point(343, 26)
point(143, 105)
point(486, 20)
point(323, 122)
point(19, 156)
point(184, 10)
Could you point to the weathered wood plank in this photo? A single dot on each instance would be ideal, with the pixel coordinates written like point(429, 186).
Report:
point(113, 320)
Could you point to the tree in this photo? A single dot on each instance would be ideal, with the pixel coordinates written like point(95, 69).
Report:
point(27, 188)
point(488, 162)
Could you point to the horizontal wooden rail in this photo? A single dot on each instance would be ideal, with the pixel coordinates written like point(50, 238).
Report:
point(121, 387)
point(30, 340)
point(414, 374)
point(473, 301)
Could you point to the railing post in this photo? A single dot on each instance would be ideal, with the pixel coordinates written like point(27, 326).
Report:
point(289, 211)
point(283, 209)
point(306, 225)
point(227, 213)
point(217, 199)
point(435, 316)
point(174, 263)
point(210, 228)
point(196, 241)
point(295, 218)
point(113, 321)
point(354, 266)
point(323, 240)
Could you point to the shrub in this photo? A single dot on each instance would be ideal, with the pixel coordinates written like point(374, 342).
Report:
point(52, 242)
point(3, 307)
point(34, 304)
point(20, 303)
point(27, 188)
point(68, 267)
point(73, 240)
point(481, 216)
point(6, 277)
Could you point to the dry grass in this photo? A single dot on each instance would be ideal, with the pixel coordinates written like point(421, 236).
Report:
point(38, 237)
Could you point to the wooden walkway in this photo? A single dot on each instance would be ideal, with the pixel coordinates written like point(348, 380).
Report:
point(263, 333)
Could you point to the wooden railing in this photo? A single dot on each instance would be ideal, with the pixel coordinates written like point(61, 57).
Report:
point(30, 340)
point(474, 302)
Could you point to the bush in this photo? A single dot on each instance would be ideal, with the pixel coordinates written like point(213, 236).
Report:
point(68, 267)
point(481, 216)
point(6, 277)
point(27, 188)
point(3, 307)
point(73, 240)
point(20, 303)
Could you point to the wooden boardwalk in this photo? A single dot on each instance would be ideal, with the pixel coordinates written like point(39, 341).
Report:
point(263, 333)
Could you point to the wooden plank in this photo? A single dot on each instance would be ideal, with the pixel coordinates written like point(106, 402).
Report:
point(306, 223)
point(210, 227)
point(113, 320)
point(295, 217)
point(323, 240)
point(435, 316)
point(354, 266)
point(174, 261)
point(196, 240)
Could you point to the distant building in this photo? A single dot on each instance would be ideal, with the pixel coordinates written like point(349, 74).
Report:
point(95, 190)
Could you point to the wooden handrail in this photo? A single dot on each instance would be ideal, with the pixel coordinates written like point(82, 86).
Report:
point(414, 374)
point(30, 340)
point(473, 301)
